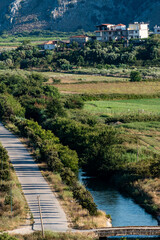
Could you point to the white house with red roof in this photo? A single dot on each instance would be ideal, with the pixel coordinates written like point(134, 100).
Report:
point(50, 45)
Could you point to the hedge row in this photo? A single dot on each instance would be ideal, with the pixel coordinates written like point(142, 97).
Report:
point(116, 96)
point(133, 117)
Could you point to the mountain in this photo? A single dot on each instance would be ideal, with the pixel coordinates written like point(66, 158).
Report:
point(71, 15)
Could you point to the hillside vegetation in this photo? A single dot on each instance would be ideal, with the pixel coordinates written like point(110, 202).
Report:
point(64, 15)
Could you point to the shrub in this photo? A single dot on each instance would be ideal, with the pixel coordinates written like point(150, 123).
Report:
point(5, 236)
point(74, 102)
point(68, 176)
point(84, 198)
point(55, 108)
point(135, 76)
point(4, 164)
point(10, 106)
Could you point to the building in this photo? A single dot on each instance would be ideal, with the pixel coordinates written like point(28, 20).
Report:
point(138, 30)
point(80, 39)
point(110, 32)
point(157, 29)
point(50, 45)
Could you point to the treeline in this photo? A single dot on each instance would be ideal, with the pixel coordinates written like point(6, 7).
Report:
point(98, 146)
point(100, 55)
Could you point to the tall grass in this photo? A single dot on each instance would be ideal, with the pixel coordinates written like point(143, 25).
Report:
point(130, 89)
point(11, 219)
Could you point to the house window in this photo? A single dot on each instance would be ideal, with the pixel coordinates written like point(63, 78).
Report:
point(110, 33)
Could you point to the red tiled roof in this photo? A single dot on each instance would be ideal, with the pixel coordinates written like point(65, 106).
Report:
point(50, 42)
point(120, 24)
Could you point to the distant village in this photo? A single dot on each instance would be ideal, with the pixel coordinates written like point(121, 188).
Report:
point(107, 33)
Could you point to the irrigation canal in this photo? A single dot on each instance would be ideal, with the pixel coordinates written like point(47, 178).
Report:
point(123, 210)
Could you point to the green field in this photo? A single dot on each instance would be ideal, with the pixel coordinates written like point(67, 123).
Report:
point(146, 134)
point(123, 106)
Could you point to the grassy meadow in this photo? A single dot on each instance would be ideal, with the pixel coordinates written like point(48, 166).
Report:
point(149, 106)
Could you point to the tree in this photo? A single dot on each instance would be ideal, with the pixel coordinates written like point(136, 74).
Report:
point(135, 76)
point(26, 42)
point(55, 108)
point(74, 102)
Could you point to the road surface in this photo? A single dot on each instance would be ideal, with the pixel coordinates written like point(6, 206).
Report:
point(34, 185)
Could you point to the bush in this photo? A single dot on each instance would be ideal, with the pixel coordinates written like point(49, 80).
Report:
point(4, 164)
point(5, 236)
point(135, 76)
point(51, 151)
point(68, 177)
point(74, 102)
point(84, 198)
point(10, 106)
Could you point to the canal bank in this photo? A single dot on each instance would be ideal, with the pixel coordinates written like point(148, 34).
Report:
point(122, 208)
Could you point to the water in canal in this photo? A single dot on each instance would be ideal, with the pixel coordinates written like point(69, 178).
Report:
point(123, 210)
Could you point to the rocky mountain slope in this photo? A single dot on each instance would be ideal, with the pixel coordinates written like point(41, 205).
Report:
point(71, 15)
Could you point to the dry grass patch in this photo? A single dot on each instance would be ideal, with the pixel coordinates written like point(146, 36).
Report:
point(11, 219)
point(78, 218)
point(111, 88)
point(81, 78)
point(59, 236)
point(151, 187)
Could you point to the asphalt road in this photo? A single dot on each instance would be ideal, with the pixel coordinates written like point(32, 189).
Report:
point(34, 185)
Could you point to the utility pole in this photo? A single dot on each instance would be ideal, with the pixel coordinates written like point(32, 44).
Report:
point(42, 227)
point(137, 150)
point(1, 171)
point(11, 199)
